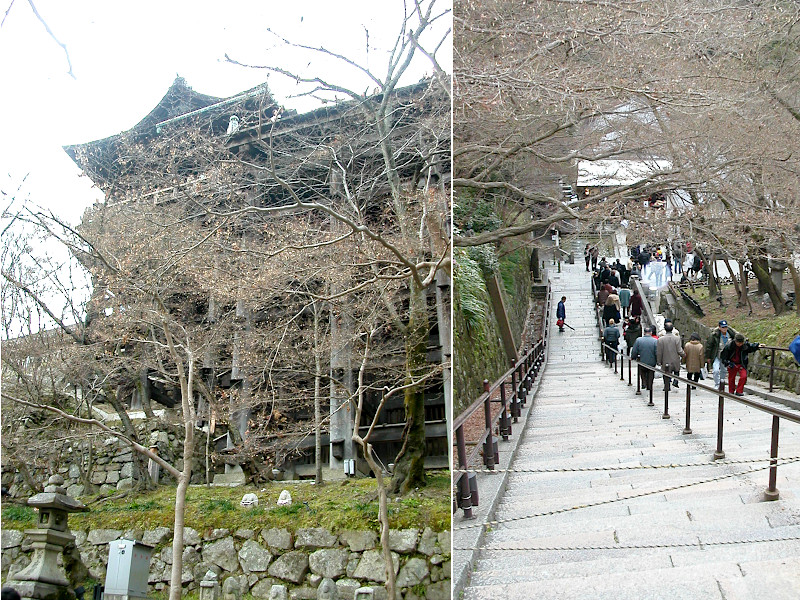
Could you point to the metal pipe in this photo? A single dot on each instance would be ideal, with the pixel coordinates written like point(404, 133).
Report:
point(488, 445)
point(771, 368)
point(666, 400)
point(772, 492)
point(466, 496)
point(687, 430)
point(720, 422)
point(504, 424)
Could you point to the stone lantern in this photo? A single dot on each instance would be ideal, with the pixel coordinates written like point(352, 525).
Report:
point(43, 579)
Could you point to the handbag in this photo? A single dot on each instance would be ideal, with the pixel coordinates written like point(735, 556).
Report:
point(703, 373)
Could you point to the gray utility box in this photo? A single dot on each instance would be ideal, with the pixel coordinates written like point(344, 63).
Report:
point(128, 570)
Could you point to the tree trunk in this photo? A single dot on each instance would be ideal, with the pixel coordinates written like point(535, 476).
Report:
point(317, 398)
point(762, 273)
point(144, 396)
point(139, 464)
point(383, 512)
point(796, 281)
point(743, 298)
point(735, 283)
point(409, 470)
point(175, 585)
point(713, 287)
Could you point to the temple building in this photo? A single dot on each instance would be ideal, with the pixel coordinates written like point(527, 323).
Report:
point(244, 174)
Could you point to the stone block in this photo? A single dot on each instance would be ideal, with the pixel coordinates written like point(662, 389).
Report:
point(347, 587)
point(329, 562)
point(262, 588)
point(438, 591)
point(222, 553)
point(428, 542)
point(98, 477)
point(291, 566)
point(413, 572)
point(358, 541)
point(107, 489)
point(253, 557)
point(191, 537)
point(75, 490)
point(244, 534)
point(103, 536)
point(126, 470)
point(315, 537)
point(403, 541)
point(303, 593)
point(155, 537)
point(125, 484)
point(10, 538)
point(74, 471)
point(217, 534)
point(444, 542)
point(277, 538)
point(372, 567)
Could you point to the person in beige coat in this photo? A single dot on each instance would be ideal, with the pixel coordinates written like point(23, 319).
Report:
point(669, 354)
point(694, 357)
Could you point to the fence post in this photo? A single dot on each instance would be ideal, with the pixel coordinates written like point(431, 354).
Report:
point(666, 400)
point(488, 445)
point(771, 369)
point(505, 425)
point(718, 453)
point(652, 385)
point(630, 381)
point(687, 430)
point(466, 496)
point(638, 380)
point(772, 493)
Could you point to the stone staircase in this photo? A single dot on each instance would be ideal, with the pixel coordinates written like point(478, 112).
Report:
point(701, 540)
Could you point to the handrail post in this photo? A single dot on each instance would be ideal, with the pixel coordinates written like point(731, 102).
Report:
point(615, 361)
point(771, 369)
point(718, 453)
point(514, 393)
point(488, 445)
point(630, 381)
point(687, 430)
point(621, 365)
point(666, 400)
point(771, 492)
point(505, 425)
point(638, 379)
point(466, 495)
point(650, 403)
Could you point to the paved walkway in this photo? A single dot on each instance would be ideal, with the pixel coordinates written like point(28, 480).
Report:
point(695, 542)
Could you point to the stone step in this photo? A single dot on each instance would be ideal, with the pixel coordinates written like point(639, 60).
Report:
point(510, 569)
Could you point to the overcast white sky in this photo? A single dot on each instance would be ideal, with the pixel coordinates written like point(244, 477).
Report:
point(125, 55)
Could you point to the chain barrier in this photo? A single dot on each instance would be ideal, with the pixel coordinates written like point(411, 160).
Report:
point(632, 546)
point(631, 467)
point(613, 500)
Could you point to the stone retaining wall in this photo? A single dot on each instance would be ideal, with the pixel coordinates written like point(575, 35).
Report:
point(261, 559)
point(111, 467)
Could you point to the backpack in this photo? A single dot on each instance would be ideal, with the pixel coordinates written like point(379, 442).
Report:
point(794, 348)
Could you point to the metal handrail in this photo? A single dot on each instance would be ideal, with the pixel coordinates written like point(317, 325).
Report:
point(771, 492)
point(522, 375)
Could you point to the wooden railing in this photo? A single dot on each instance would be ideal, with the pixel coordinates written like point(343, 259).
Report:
point(510, 391)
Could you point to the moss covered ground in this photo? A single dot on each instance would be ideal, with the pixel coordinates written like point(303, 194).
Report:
point(337, 506)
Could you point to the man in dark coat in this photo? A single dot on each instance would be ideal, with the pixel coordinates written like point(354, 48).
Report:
point(645, 351)
point(561, 314)
point(735, 357)
point(611, 335)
